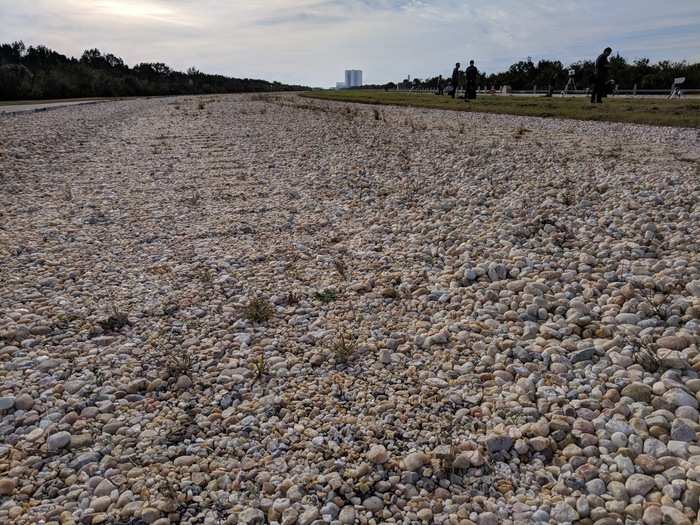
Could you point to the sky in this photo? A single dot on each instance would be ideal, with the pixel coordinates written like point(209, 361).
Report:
point(311, 42)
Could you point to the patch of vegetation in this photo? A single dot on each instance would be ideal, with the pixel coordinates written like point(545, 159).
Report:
point(292, 298)
point(326, 296)
point(194, 199)
point(521, 131)
point(660, 112)
point(258, 310)
point(644, 354)
point(260, 367)
point(344, 347)
point(341, 268)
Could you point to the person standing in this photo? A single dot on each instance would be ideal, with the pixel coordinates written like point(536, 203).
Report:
point(455, 79)
point(600, 79)
point(472, 74)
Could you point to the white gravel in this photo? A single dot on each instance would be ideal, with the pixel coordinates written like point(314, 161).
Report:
point(474, 318)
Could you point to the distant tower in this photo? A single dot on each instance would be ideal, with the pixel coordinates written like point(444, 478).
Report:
point(353, 78)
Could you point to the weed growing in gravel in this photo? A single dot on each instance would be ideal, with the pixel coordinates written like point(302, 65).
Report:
point(520, 132)
point(177, 363)
point(99, 376)
point(292, 298)
point(115, 321)
point(661, 308)
point(568, 197)
point(643, 353)
point(341, 268)
point(326, 296)
point(260, 367)
point(194, 199)
point(201, 106)
point(344, 347)
point(258, 310)
point(167, 354)
point(447, 458)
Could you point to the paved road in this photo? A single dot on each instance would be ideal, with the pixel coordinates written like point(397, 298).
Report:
point(21, 108)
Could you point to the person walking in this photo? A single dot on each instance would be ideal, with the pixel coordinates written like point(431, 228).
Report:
point(472, 74)
point(600, 80)
point(455, 79)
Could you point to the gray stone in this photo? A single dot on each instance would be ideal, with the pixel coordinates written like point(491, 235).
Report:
point(347, 515)
point(415, 460)
point(679, 398)
point(378, 455)
point(498, 443)
point(681, 431)
point(84, 459)
point(564, 513)
point(24, 402)
point(583, 355)
point(7, 402)
point(672, 342)
point(673, 516)
point(308, 516)
point(58, 441)
point(101, 503)
point(639, 484)
point(373, 504)
point(638, 392)
point(104, 488)
point(330, 509)
point(487, 518)
point(596, 486)
point(251, 517)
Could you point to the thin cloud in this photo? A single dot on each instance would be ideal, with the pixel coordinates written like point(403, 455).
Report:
point(313, 41)
point(302, 19)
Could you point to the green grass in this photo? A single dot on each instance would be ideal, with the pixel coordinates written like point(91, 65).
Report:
point(655, 111)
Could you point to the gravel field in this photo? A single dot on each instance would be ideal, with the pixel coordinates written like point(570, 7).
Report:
point(267, 309)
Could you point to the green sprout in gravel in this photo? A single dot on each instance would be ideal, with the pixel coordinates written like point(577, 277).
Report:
point(258, 310)
point(326, 296)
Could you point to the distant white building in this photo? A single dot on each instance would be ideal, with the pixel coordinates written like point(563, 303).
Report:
point(353, 78)
point(340, 85)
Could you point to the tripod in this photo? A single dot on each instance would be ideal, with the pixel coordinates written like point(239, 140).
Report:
point(676, 88)
point(571, 84)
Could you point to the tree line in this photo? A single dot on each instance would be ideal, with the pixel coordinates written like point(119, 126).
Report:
point(37, 72)
point(526, 75)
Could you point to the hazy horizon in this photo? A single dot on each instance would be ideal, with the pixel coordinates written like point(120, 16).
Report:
point(311, 42)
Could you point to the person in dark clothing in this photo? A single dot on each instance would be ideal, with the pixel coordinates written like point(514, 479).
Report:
point(455, 79)
point(472, 75)
point(440, 86)
point(552, 82)
point(600, 79)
